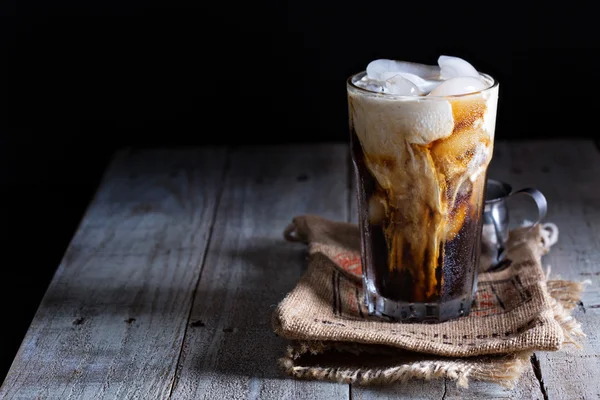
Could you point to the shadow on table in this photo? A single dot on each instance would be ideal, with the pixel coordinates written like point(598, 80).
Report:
point(230, 328)
point(229, 335)
point(237, 298)
point(239, 340)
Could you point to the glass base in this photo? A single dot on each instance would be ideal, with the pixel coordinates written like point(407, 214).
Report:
point(417, 312)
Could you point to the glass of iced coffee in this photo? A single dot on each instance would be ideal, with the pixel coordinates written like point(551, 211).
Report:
point(422, 137)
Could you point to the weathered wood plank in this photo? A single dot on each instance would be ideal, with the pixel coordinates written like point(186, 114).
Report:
point(230, 350)
point(567, 172)
point(112, 322)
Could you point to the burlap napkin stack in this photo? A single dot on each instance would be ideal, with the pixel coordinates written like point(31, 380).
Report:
point(516, 311)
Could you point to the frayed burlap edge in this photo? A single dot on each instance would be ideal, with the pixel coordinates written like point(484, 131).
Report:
point(564, 296)
point(504, 369)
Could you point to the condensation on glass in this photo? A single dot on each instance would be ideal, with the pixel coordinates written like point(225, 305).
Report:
point(421, 167)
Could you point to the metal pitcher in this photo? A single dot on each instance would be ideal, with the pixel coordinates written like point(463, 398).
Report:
point(496, 218)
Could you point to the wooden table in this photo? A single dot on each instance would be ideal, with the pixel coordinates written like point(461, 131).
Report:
point(167, 288)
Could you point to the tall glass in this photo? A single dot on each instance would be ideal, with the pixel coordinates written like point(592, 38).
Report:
point(421, 167)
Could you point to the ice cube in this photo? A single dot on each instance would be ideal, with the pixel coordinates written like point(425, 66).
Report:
point(452, 67)
point(460, 85)
point(397, 84)
point(377, 67)
point(424, 85)
point(375, 86)
point(411, 77)
point(370, 84)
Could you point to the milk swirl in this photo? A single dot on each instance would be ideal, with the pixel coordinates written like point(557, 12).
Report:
point(425, 134)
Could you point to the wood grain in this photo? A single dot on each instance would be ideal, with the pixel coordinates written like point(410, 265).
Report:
point(112, 321)
point(568, 173)
point(116, 317)
point(230, 351)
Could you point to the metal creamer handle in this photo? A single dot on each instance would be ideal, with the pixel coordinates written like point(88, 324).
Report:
point(542, 206)
point(540, 201)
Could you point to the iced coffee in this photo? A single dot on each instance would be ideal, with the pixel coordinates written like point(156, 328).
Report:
point(422, 138)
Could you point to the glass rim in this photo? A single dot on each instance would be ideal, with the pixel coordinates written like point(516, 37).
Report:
point(351, 84)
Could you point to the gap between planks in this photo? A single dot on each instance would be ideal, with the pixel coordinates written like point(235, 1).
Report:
point(566, 172)
point(224, 173)
point(263, 192)
point(134, 259)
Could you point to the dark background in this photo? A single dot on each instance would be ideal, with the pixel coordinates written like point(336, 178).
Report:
point(83, 78)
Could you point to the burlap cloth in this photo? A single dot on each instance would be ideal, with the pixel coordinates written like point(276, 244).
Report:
point(516, 311)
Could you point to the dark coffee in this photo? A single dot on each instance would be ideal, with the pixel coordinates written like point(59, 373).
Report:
point(421, 166)
point(457, 258)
